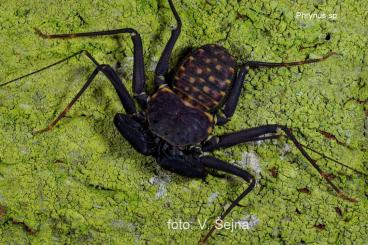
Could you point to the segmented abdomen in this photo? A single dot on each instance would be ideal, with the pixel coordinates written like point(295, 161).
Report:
point(205, 77)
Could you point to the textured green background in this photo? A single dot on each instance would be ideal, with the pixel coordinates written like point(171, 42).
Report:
point(83, 183)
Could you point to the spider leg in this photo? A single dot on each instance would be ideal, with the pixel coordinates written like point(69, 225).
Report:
point(121, 90)
point(213, 141)
point(184, 165)
point(261, 64)
point(232, 101)
point(334, 160)
point(139, 81)
point(214, 163)
point(245, 135)
point(53, 64)
point(195, 167)
point(163, 64)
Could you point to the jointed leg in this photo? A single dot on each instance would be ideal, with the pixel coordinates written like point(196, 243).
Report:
point(122, 92)
point(247, 134)
point(334, 160)
point(163, 64)
point(54, 64)
point(214, 163)
point(232, 101)
point(211, 143)
point(63, 113)
point(139, 82)
point(185, 165)
point(239, 137)
point(195, 167)
point(214, 141)
point(261, 64)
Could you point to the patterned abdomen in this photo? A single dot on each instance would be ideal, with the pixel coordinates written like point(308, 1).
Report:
point(205, 77)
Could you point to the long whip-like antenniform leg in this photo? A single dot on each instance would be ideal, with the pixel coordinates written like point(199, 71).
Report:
point(247, 134)
point(120, 89)
point(334, 160)
point(122, 92)
point(261, 64)
point(214, 140)
point(52, 65)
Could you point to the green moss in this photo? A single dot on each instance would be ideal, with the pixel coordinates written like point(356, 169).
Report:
point(83, 183)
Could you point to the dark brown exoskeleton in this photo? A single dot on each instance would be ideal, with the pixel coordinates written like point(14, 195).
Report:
point(175, 122)
point(184, 114)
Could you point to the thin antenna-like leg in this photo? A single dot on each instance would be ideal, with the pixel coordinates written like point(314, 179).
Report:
point(120, 89)
point(122, 92)
point(54, 64)
point(67, 108)
point(214, 140)
point(246, 134)
point(261, 64)
point(333, 160)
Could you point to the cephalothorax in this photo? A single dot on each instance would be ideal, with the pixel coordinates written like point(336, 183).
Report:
point(175, 123)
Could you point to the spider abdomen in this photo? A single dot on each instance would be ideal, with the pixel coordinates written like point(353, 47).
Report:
point(205, 77)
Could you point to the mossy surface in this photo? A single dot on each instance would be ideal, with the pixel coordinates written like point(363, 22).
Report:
point(83, 183)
